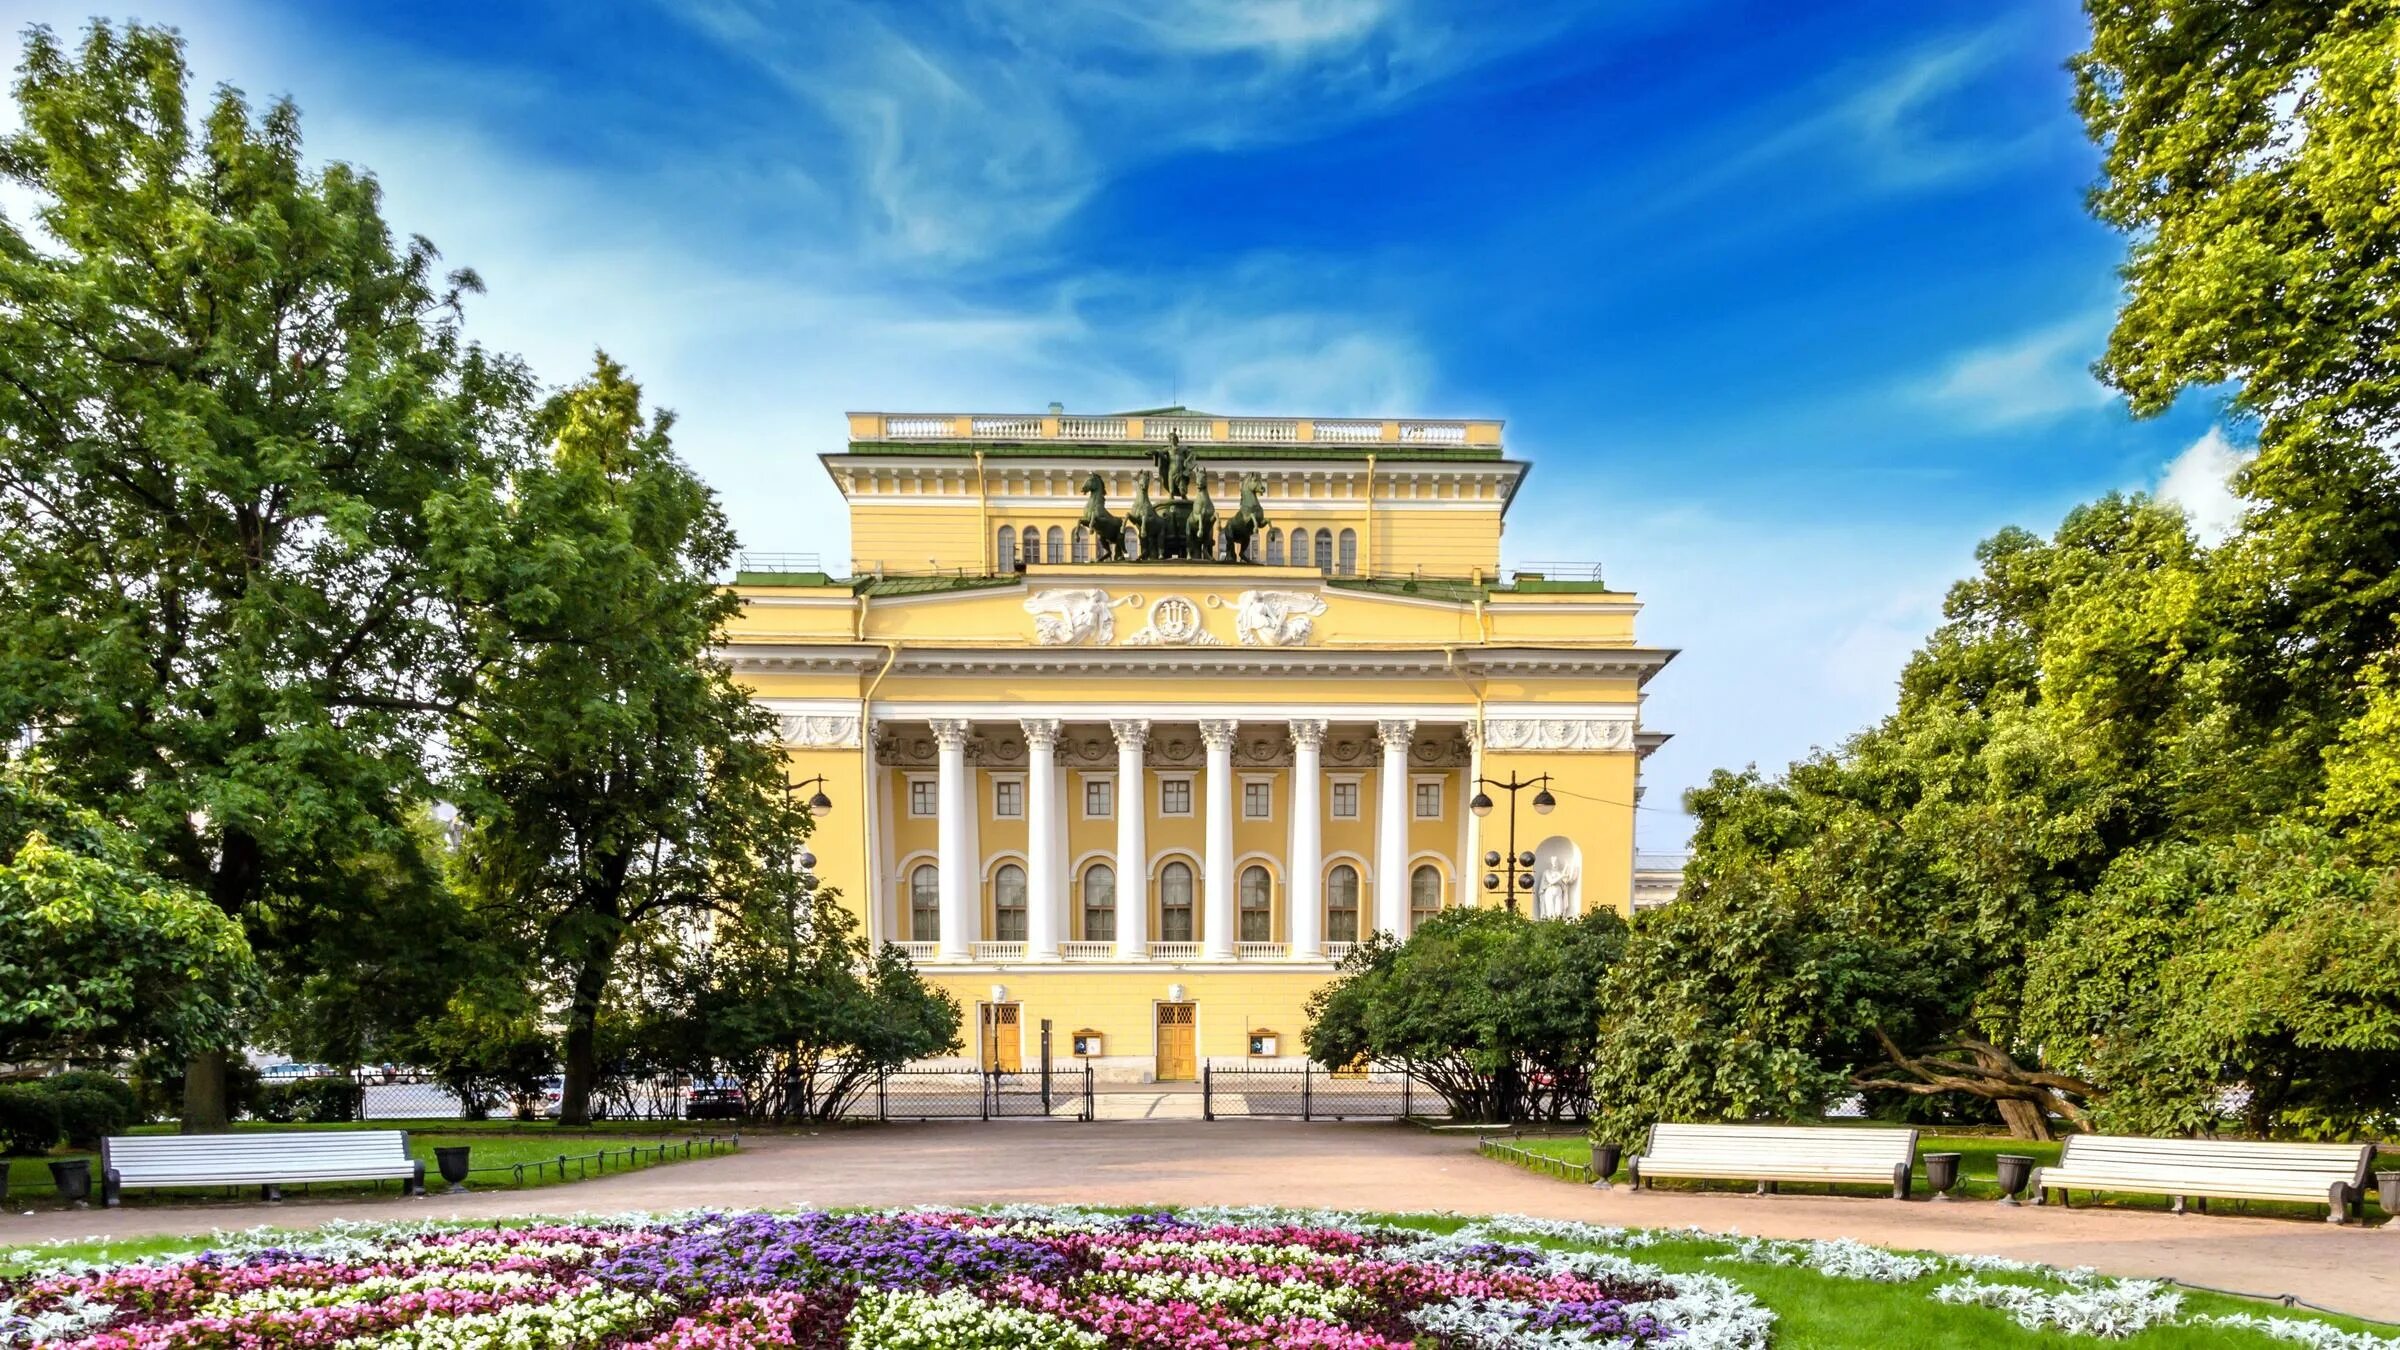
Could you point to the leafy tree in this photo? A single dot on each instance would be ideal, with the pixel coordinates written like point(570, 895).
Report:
point(100, 957)
point(1491, 1009)
point(792, 1001)
point(2270, 961)
point(615, 774)
point(229, 400)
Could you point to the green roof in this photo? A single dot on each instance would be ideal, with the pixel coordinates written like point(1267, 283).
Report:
point(1459, 590)
point(934, 584)
point(1547, 586)
point(784, 579)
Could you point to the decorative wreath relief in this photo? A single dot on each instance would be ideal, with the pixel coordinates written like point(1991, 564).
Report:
point(1022, 1277)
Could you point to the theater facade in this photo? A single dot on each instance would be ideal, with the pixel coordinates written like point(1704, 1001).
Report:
point(1135, 725)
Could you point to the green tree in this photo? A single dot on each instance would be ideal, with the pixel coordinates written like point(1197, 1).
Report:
point(614, 773)
point(228, 399)
point(1490, 1009)
point(2269, 961)
point(100, 957)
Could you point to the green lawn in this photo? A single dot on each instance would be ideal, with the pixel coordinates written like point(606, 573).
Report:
point(1978, 1171)
point(499, 1150)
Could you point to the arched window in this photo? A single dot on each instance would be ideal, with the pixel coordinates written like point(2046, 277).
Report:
point(1008, 548)
point(1175, 903)
point(1099, 903)
point(1274, 548)
point(1424, 894)
point(1324, 543)
point(1258, 897)
point(1348, 564)
point(1033, 544)
point(1299, 548)
point(925, 904)
point(1341, 904)
point(1008, 903)
point(1057, 544)
point(1132, 547)
point(1083, 544)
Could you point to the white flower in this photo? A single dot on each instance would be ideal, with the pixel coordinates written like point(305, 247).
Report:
point(2318, 1335)
point(956, 1320)
point(2115, 1308)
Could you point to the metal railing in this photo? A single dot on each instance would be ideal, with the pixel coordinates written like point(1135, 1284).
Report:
point(1308, 1092)
point(1558, 571)
point(777, 562)
point(1538, 1162)
point(975, 1094)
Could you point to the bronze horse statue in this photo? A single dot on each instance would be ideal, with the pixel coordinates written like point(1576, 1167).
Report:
point(1108, 532)
point(1200, 523)
point(1248, 523)
point(1144, 517)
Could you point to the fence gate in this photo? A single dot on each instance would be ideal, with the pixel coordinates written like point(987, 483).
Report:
point(1309, 1093)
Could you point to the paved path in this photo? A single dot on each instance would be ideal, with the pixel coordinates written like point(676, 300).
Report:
point(1365, 1167)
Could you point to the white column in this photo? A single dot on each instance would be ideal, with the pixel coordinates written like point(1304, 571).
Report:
point(1391, 828)
point(1133, 856)
point(1304, 901)
point(1045, 893)
point(1470, 877)
point(1219, 924)
point(959, 884)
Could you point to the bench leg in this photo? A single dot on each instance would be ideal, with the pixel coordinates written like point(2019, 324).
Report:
point(2177, 1207)
point(271, 1193)
point(112, 1189)
point(1900, 1179)
point(415, 1185)
point(2337, 1203)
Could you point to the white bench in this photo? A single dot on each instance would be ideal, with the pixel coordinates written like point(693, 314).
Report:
point(268, 1161)
point(1768, 1154)
point(2332, 1175)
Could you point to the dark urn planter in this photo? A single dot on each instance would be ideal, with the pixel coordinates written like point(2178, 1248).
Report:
point(2015, 1170)
point(1941, 1173)
point(1605, 1158)
point(74, 1181)
point(2387, 1190)
point(453, 1162)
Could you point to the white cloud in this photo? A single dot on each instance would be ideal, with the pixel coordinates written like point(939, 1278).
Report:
point(2035, 377)
point(2200, 480)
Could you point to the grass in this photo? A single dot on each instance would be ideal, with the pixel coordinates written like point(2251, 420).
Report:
point(1978, 1174)
point(1813, 1311)
point(499, 1150)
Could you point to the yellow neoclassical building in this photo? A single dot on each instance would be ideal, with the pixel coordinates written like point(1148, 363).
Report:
point(1135, 724)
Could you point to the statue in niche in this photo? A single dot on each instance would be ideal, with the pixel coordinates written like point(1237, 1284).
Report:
point(1555, 894)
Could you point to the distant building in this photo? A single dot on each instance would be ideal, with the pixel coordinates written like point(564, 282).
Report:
point(1657, 878)
point(1154, 799)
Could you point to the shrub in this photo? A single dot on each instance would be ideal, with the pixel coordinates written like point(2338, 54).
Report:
point(96, 1080)
point(28, 1120)
point(308, 1101)
point(85, 1116)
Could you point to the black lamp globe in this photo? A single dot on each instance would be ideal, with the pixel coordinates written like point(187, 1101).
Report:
point(1491, 857)
point(1480, 803)
point(1525, 882)
point(1491, 881)
point(1543, 801)
point(1525, 859)
point(807, 860)
point(820, 804)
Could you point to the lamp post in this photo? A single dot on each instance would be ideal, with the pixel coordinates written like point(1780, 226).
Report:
point(1518, 873)
point(818, 804)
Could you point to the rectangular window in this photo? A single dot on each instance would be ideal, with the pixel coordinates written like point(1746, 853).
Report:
point(1175, 797)
point(1099, 799)
point(1008, 799)
point(1345, 801)
point(1258, 801)
point(1429, 801)
point(922, 798)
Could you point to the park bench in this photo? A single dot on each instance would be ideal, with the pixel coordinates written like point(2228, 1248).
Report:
point(268, 1161)
point(2333, 1175)
point(1768, 1154)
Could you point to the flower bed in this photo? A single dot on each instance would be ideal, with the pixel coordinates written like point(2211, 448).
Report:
point(1035, 1279)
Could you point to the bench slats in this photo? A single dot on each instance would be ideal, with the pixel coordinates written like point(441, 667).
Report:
point(257, 1159)
point(1769, 1153)
point(2231, 1169)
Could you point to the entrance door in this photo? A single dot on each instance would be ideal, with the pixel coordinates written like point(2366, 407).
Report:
point(1177, 1060)
point(1002, 1047)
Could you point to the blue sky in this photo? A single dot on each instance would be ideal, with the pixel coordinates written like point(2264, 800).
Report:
point(1789, 304)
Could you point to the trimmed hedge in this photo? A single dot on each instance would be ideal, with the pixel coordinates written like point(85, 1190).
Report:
point(308, 1101)
point(85, 1117)
point(29, 1120)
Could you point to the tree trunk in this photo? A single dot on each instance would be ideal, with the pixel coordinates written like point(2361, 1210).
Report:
point(2024, 1120)
point(583, 1034)
point(205, 1110)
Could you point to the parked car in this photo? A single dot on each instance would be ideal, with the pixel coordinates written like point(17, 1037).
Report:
point(715, 1101)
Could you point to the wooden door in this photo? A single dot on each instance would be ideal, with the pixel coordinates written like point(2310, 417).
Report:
point(1178, 1060)
point(1003, 1048)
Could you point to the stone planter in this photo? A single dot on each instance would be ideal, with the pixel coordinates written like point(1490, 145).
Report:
point(2387, 1190)
point(1605, 1158)
point(453, 1164)
point(1941, 1173)
point(2015, 1170)
point(74, 1180)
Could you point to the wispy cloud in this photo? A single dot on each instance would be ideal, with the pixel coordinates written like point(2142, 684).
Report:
point(2200, 480)
point(2035, 377)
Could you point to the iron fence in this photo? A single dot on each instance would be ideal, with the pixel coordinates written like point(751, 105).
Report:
point(976, 1094)
point(1311, 1093)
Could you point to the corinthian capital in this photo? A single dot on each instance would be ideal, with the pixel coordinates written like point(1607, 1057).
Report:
point(1041, 733)
point(1131, 732)
point(1395, 732)
point(1218, 734)
point(1308, 733)
point(950, 733)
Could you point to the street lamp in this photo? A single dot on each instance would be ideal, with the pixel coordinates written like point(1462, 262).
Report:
point(1481, 804)
point(818, 804)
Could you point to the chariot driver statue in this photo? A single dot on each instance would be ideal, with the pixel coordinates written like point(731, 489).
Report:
point(1174, 464)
